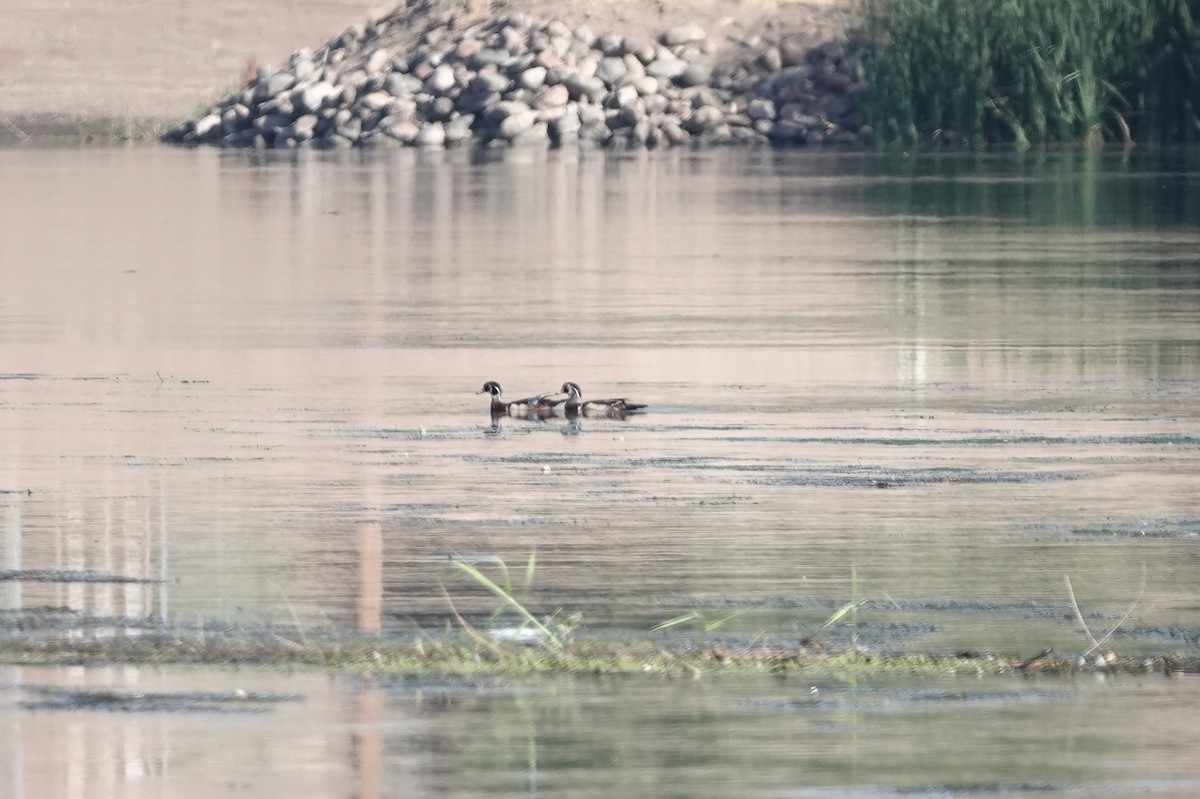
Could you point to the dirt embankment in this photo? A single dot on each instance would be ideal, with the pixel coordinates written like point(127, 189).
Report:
point(104, 67)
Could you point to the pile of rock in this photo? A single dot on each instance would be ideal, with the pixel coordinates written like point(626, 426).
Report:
point(512, 80)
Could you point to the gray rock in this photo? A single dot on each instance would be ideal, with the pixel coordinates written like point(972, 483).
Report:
point(350, 129)
point(440, 109)
point(458, 130)
point(585, 35)
point(337, 141)
point(564, 127)
point(786, 131)
point(533, 78)
point(280, 106)
point(274, 85)
point(517, 123)
point(312, 98)
point(586, 66)
point(272, 122)
point(694, 75)
point(552, 97)
point(521, 96)
point(674, 133)
point(791, 53)
point(504, 109)
point(761, 108)
point(303, 70)
point(441, 80)
point(376, 101)
point(513, 40)
point(597, 132)
point(431, 135)
point(655, 103)
point(683, 34)
point(591, 115)
point(578, 87)
point(830, 50)
point(640, 133)
point(547, 59)
point(490, 55)
point(611, 44)
point(422, 69)
point(666, 66)
point(209, 124)
point(643, 51)
point(519, 20)
point(702, 119)
point(621, 96)
point(378, 60)
point(789, 84)
point(400, 85)
point(302, 128)
point(834, 81)
point(646, 85)
point(535, 134)
point(473, 102)
point(466, 48)
point(793, 113)
point(353, 78)
point(631, 114)
point(344, 95)
point(634, 68)
point(489, 80)
point(610, 70)
point(233, 121)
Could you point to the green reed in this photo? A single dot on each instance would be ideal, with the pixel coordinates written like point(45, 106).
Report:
point(1023, 71)
point(553, 632)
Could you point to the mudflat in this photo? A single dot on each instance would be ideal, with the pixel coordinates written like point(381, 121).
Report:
point(106, 67)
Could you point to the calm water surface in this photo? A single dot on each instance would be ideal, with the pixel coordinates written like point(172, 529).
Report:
point(944, 385)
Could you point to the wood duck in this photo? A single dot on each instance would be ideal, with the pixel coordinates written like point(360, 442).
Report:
point(541, 405)
point(575, 405)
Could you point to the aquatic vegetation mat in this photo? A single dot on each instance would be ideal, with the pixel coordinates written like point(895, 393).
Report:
point(55, 636)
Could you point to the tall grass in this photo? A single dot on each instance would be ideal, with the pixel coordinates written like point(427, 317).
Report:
point(1024, 71)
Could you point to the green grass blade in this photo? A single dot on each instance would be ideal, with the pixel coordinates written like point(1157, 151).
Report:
point(475, 574)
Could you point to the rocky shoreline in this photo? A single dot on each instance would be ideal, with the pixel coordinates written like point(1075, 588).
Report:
point(513, 79)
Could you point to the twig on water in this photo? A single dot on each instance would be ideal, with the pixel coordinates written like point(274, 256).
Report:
point(1078, 615)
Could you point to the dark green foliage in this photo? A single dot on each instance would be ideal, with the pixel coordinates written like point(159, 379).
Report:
point(1021, 71)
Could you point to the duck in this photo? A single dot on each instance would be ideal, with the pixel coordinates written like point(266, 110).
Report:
point(575, 405)
point(540, 405)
